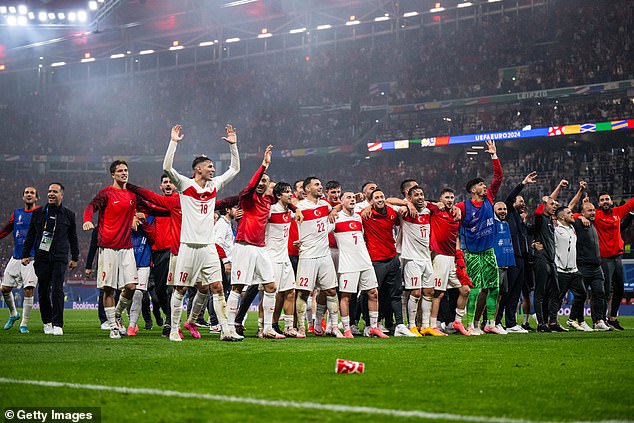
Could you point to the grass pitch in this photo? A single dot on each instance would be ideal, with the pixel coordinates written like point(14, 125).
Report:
point(537, 377)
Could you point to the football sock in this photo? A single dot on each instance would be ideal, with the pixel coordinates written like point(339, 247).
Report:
point(412, 308)
point(176, 304)
point(8, 299)
point(268, 303)
point(426, 311)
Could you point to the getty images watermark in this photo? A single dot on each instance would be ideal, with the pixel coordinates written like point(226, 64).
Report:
point(52, 414)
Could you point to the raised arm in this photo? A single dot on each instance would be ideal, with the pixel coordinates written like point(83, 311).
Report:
point(562, 184)
point(626, 208)
point(234, 167)
point(575, 200)
point(531, 178)
point(255, 179)
point(168, 162)
point(498, 175)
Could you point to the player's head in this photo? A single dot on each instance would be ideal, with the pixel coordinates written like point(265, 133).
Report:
point(500, 210)
point(476, 186)
point(299, 190)
point(605, 201)
point(312, 187)
point(348, 201)
point(588, 211)
point(269, 189)
point(263, 185)
point(55, 193)
point(29, 196)
point(283, 192)
point(203, 168)
point(333, 192)
point(519, 204)
point(550, 205)
point(367, 189)
point(167, 187)
point(377, 199)
point(447, 197)
point(216, 216)
point(564, 215)
point(417, 196)
point(406, 184)
point(119, 171)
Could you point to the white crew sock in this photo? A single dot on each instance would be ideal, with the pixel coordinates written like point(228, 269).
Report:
point(412, 307)
point(268, 305)
point(135, 308)
point(27, 305)
point(220, 307)
point(176, 304)
point(9, 301)
point(460, 314)
point(232, 309)
point(110, 316)
point(197, 306)
point(426, 311)
point(310, 311)
point(526, 318)
point(433, 322)
point(288, 321)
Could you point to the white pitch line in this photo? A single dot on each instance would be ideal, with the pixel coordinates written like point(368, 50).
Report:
point(286, 404)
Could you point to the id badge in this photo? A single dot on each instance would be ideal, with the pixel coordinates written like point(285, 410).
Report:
point(47, 240)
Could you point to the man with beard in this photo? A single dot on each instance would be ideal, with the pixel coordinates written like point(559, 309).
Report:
point(519, 235)
point(608, 225)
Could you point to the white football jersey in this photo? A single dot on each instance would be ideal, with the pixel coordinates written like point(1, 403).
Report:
point(353, 253)
point(198, 204)
point(277, 230)
point(414, 236)
point(313, 231)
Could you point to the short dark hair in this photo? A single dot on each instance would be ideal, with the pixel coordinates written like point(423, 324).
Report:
point(200, 159)
point(308, 180)
point(299, 181)
point(472, 182)
point(365, 184)
point(405, 182)
point(280, 188)
point(332, 185)
point(165, 175)
point(414, 188)
point(375, 191)
point(602, 194)
point(61, 187)
point(113, 165)
point(560, 209)
point(447, 189)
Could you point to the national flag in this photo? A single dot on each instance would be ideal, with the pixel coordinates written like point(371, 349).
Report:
point(619, 124)
point(572, 129)
point(554, 131)
point(588, 127)
point(375, 146)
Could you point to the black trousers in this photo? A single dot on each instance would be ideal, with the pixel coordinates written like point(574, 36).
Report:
point(572, 282)
point(516, 282)
point(388, 274)
point(504, 293)
point(245, 303)
point(159, 272)
point(594, 281)
point(614, 283)
point(50, 289)
point(448, 304)
point(546, 291)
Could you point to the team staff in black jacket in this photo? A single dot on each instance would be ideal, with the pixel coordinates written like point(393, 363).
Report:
point(52, 231)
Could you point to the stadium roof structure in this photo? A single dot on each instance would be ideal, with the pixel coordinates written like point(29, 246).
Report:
point(132, 26)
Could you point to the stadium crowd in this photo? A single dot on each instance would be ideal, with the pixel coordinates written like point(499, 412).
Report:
point(273, 98)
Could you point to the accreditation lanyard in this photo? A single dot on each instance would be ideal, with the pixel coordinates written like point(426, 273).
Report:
point(47, 235)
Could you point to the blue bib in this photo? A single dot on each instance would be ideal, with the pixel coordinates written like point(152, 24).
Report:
point(477, 228)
